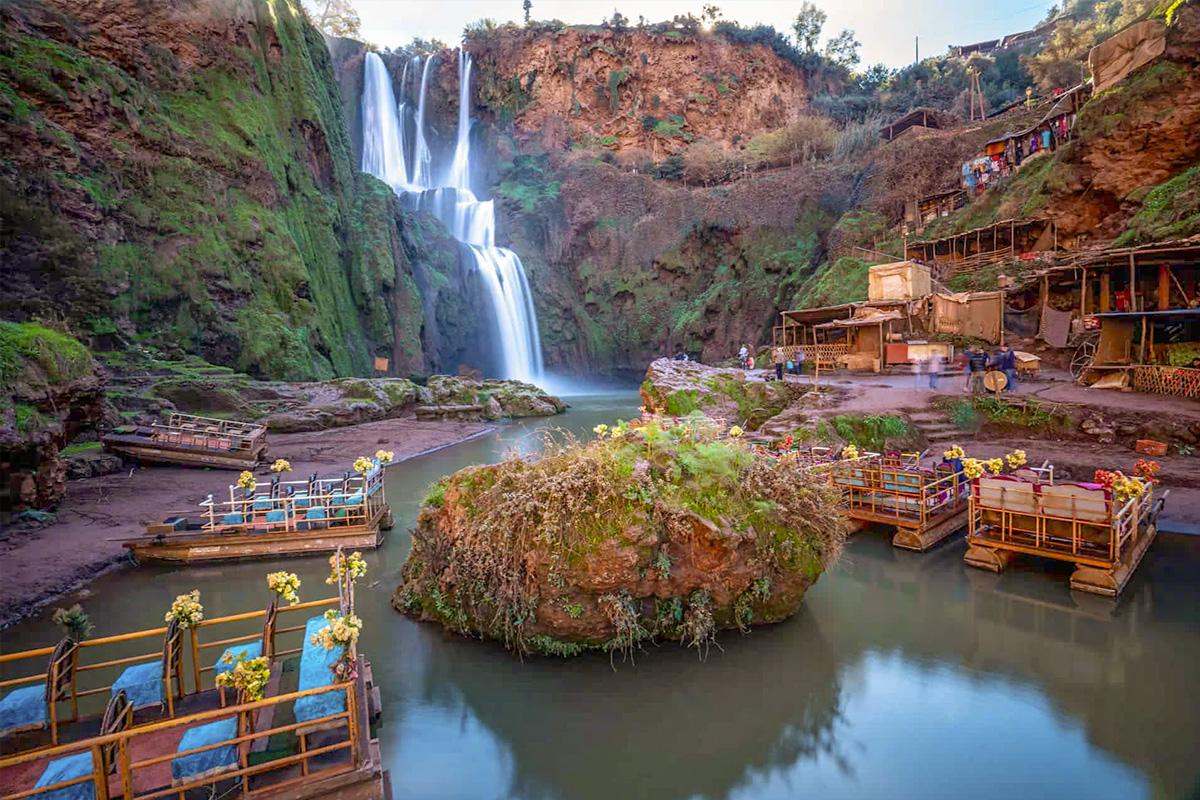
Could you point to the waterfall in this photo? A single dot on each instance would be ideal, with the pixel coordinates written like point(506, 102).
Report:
point(470, 220)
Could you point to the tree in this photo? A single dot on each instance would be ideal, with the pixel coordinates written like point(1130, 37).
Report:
point(334, 17)
point(710, 14)
point(843, 49)
point(528, 6)
point(874, 77)
point(808, 25)
point(618, 22)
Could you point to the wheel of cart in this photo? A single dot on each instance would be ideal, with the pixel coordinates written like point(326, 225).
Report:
point(1084, 354)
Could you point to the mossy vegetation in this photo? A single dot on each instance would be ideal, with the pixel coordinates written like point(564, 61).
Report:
point(1170, 210)
point(496, 547)
point(241, 230)
point(1034, 415)
point(60, 357)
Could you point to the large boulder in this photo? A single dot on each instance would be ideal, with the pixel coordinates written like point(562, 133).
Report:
point(497, 399)
point(670, 534)
point(349, 401)
point(50, 390)
point(678, 388)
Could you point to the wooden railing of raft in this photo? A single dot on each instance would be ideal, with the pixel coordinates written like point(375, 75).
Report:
point(125, 767)
point(90, 646)
point(207, 432)
point(352, 501)
point(894, 490)
point(1062, 534)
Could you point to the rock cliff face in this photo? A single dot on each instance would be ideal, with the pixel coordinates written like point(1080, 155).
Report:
point(653, 533)
point(634, 89)
point(50, 389)
point(183, 171)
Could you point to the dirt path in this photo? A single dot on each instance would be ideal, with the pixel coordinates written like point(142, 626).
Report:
point(42, 564)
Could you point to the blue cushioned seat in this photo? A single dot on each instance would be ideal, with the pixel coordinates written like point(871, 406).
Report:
point(277, 516)
point(68, 769)
point(24, 708)
point(301, 501)
point(263, 505)
point(208, 762)
point(251, 649)
point(315, 513)
point(143, 684)
point(232, 519)
point(316, 671)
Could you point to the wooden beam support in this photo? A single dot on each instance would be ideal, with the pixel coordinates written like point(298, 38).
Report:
point(1132, 283)
point(1084, 289)
point(1105, 293)
point(1164, 287)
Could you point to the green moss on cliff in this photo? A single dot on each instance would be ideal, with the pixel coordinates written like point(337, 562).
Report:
point(1169, 211)
point(61, 358)
point(239, 225)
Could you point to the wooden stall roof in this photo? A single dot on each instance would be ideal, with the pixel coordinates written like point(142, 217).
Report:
point(1019, 223)
point(918, 117)
point(1100, 258)
point(1171, 312)
point(855, 322)
point(1065, 103)
point(819, 314)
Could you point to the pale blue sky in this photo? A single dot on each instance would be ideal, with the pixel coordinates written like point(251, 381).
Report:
point(886, 28)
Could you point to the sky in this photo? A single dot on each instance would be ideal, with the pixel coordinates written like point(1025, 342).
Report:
point(886, 28)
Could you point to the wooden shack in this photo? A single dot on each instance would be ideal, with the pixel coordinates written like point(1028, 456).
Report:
point(902, 280)
point(1147, 351)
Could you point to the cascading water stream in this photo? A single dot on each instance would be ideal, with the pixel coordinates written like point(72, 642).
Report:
point(471, 221)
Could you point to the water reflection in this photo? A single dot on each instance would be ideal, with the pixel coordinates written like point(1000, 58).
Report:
point(904, 675)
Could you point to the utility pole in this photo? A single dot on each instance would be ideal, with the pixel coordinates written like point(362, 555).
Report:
point(917, 49)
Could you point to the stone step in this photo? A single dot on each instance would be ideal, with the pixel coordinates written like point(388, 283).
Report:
point(937, 436)
point(940, 426)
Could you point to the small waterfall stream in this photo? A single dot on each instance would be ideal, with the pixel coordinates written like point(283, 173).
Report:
point(449, 197)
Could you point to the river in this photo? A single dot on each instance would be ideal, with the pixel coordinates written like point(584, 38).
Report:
point(904, 675)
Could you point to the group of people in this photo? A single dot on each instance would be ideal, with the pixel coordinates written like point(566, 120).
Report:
point(975, 364)
point(746, 360)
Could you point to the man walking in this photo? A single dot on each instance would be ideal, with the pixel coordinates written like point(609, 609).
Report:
point(1006, 361)
point(935, 370)
point(777, 354)
point(743, 354)
point(977, 362)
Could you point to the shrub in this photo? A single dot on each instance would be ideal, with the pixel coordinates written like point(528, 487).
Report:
point(807, 139)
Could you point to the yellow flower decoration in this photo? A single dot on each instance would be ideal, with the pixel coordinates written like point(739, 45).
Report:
point(186, 609)
point(281, 465)
point(849, 452)
point(385, 456)
point(735, 431)
point(246, 480)
point(352, 564)
point(1015, 459)
point(362, 464)
point(996, 465)
point(249, 676)
point(286, 585)
point(953, 453)
point(972, 467)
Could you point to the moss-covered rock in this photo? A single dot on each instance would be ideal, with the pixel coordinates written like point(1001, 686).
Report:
point(679, 388)
point(648, 533)
point(50, 389)
point(494, 398)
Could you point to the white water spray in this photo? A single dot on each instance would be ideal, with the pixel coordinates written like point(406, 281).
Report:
point(470, 220)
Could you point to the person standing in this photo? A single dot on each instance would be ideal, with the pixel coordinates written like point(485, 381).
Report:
point(1006, 361)
point(977, 363)
point(777, 354)
point(918, 365)
point(935, 370)
point(743, 354)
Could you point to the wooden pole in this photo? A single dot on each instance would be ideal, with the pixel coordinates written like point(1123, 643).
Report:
point(1164, 287)
point(1105, 299)
point(1083, 293)
point(1132, 283)
point(1142, 347)
point(1001, 316)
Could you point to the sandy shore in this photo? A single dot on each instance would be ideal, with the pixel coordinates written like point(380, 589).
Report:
point(41, 565)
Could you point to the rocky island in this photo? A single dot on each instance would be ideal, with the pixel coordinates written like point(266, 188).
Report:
point(655, 531)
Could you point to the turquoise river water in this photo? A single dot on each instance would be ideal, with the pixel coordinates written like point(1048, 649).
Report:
point(904, 675)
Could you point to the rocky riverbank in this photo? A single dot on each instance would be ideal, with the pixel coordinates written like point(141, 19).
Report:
point(47, 555)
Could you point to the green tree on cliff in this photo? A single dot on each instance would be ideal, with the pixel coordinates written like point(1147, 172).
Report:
point(528, 6)
point(843, 49)
point(808, 25)
point(334, 17)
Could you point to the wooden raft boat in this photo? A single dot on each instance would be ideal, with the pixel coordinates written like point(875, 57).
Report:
point(274, 519)
point(191, 440)
point(1081, 523)
point(301, 741)
point(923, 505)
